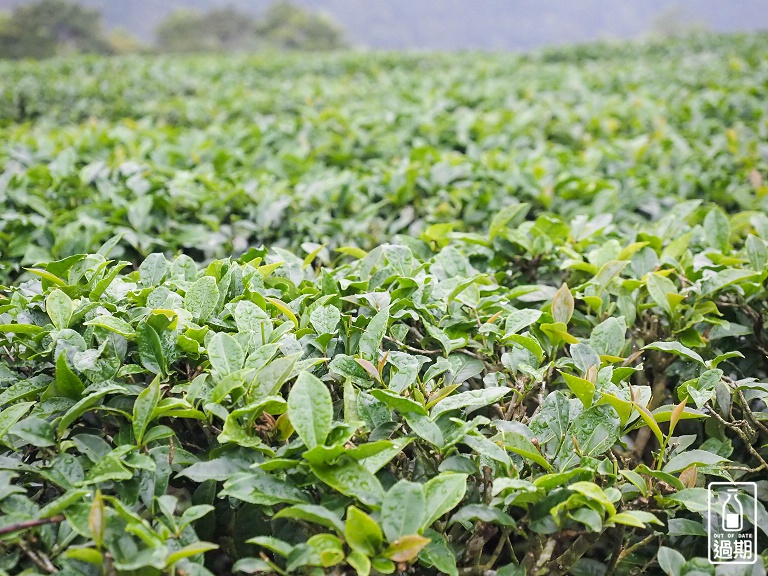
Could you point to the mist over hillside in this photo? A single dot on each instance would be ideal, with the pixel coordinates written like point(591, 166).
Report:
point(463, 24)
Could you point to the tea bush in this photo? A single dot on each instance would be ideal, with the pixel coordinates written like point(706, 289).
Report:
point(442, 314)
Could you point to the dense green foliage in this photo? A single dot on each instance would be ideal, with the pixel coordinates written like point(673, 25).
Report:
point(364, 314)
point(213, 156)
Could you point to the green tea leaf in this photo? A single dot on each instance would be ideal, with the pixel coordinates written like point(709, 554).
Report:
point(519, 319)
point(658, 288)
point(310, 409)
point(397, 402)
point(403, 510)
point(357, 560)
point(439, 554)
point(151, 349)
point(362, 533)
point(607, 339)
point(351, 479)
point(636, 518)
point(691, 457)
point(59, 307)
point(11, 415)
point(677, 349)
point(583, 389)
point(504, 216)
point(717, 229)
point(225, 354)
point(259, 488)
point(324, 319)
point(314, 514)
point(563, 305)
point(670, 561)
point(593, 492)
point(406, 548)
point(190, 550)
point(113, 324)
point(143, 408)
point(269, 379)
point(202, 297)
point(471, 399)
point(153, 269)
point(67, 382)
point(442, 494)
point(370, 341)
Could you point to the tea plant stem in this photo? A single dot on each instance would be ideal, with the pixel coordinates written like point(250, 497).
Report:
point(503, 541)
point(488, 566)
point(541, 568)
point(744, 439)
point(272, 565)
point(38, 559)
point(563, 563)
point(627, 551)
point(30, 524)
point(10, 356)
point(482, 534)
point(637, 546)
point(617, 549)
point(411, 348)
point(751, 414)
point(657, 393)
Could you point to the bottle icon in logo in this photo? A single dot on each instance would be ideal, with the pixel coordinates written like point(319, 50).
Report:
point(733, 513)
point(732, 536)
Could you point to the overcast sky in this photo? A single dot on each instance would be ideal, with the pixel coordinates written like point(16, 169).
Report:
point(471, 24)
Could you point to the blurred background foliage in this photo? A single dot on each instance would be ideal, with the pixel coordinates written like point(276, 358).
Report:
point(48, 28)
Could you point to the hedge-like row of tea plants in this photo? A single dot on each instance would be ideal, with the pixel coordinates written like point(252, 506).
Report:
point(439, 314)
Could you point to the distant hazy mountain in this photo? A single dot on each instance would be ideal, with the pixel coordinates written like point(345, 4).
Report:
point(470, 24)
